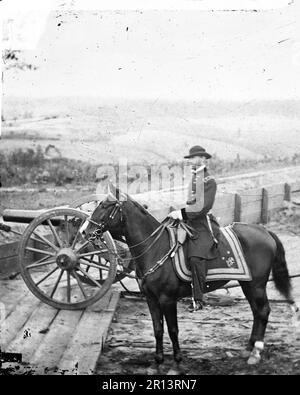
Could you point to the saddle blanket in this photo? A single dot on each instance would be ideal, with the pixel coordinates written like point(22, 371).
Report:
point(229, 265)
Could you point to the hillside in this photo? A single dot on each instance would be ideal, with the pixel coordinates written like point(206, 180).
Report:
point(99, 131)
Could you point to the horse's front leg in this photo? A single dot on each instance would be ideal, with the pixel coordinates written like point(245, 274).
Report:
point(169, 308)
point(158, 326)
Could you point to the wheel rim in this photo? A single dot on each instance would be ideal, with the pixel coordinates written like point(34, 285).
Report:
point(54, 258)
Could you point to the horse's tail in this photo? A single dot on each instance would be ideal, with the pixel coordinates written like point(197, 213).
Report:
point(281, 275)
point(279, 269)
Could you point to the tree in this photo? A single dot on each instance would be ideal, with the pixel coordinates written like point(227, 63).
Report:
point(12, 60)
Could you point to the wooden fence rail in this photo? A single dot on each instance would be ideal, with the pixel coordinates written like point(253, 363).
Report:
point(251, 205)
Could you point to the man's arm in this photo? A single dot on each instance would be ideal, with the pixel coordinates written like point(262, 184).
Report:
point(202, 204)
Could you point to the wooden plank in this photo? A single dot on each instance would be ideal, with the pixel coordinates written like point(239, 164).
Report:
point(8, 266)
point(9, 249)
point(251, 205)
point(17, 319)
point(86, 345)
point(237, 208)
point(251, 216)
point(9, 258)
point(9, 286)
point(251, 195)
point(30, 337)
point(287, 192)
point(295, 186)
point(264, 206)
point(223, 216)
point(276, 196)
point(224, 201)
point(10, 298)
point(48, 354)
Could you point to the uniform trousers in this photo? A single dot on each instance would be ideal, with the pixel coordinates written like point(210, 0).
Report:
point(199, 273)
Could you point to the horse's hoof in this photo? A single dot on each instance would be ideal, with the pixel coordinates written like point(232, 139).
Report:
point(152, 370)
point(254, 360)
point(173, 372)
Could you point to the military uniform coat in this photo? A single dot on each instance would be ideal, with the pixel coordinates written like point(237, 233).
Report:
point(201, 197)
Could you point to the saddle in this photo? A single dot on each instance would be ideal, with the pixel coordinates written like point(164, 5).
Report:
point(229, 264)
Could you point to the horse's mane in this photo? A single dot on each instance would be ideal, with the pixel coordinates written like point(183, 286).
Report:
point(138, 205)
point(141, 207)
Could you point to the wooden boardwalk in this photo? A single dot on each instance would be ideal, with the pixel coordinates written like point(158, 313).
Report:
point(52, 341)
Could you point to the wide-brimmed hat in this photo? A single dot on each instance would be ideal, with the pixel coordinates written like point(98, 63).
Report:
point(198, 151)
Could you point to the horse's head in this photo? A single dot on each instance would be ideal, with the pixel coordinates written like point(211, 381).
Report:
point(107, 216)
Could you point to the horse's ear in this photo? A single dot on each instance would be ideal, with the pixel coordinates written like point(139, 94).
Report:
point(112, 191)
point(116, 192)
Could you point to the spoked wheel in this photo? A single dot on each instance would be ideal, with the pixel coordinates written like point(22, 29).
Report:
point(88, 204)
point(60, 267)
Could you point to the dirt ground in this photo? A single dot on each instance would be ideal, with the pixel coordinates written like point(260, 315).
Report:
point(212, 340)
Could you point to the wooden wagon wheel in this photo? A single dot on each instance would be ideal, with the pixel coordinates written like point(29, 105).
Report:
point(88, 204)
point(53, 260)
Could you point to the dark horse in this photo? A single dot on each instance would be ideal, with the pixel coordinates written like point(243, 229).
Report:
point(263, 251)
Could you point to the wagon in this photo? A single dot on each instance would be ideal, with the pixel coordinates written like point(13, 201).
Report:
point(61, 267)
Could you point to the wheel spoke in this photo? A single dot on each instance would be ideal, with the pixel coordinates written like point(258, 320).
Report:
point(38, 241)
point(89, 277)
point(47, 275)
point(77, 234)
point(68, 287)
point(46, 241)
point(58, 240)
point(95, 265)
point(39, 261)
point(90, 261)
point(35, 265)
point(40, 251)
point(56, 284)
point(92, 253)
point(67, 229)
point(83, 246)
point(79, 283)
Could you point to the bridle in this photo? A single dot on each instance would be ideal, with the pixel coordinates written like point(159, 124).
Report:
point(98, 232)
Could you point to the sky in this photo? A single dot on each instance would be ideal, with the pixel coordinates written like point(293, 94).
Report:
point(164, 54)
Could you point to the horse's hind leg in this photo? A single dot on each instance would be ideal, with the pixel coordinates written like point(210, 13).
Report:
point(158, 327)
point(258, 300)
point(169, 307)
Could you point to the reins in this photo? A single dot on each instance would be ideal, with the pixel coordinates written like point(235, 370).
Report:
point(158, 232)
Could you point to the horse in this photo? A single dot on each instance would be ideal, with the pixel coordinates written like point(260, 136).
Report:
point(149, 245)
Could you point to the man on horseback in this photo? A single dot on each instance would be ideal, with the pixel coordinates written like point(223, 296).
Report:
point(202, 246)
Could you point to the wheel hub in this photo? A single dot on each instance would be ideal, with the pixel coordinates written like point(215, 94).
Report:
point(66, 259)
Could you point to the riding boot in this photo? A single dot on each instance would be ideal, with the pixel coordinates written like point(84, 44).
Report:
point(199, 272)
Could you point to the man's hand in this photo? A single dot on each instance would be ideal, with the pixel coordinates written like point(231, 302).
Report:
point(176, 215)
